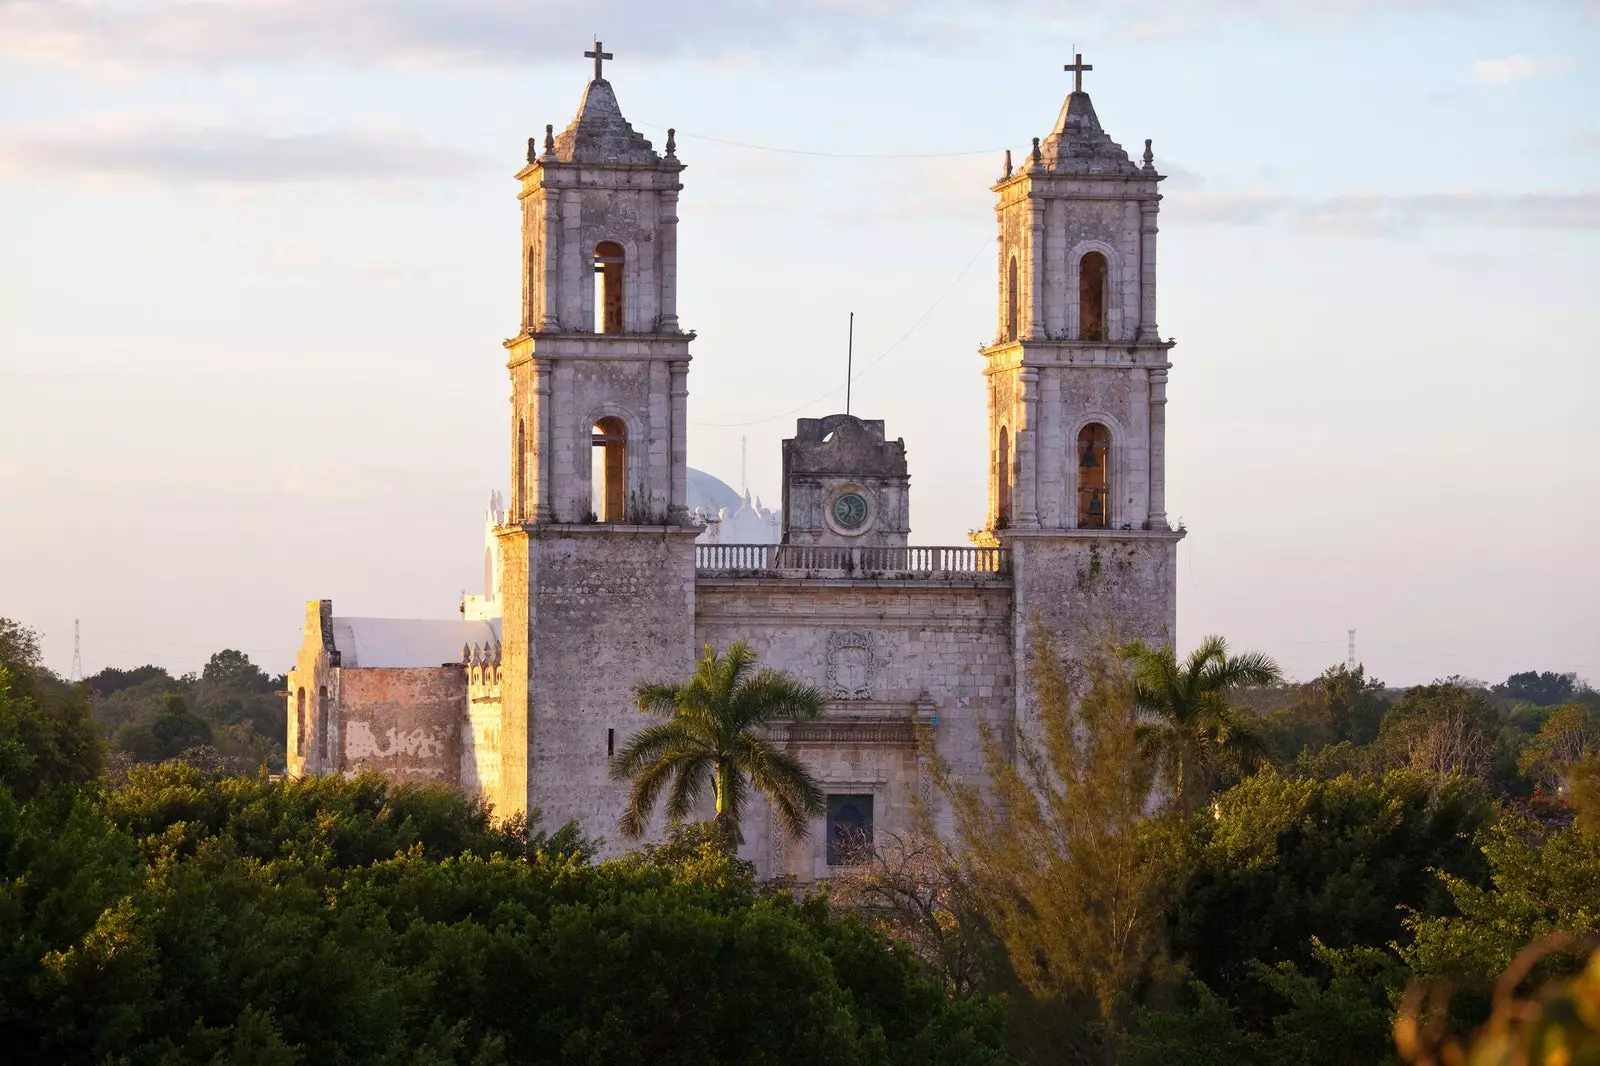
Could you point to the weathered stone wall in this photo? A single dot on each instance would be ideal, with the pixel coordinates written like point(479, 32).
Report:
point(479, 772)
point(889, 654)
point(1080, 586)
point(404, 722)
point(606, 608)
point(313, 685)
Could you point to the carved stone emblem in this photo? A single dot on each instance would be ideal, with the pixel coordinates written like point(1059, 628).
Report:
point(851, 664)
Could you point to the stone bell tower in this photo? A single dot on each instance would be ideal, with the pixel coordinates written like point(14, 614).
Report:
point(1077, 387)
point(597, 553)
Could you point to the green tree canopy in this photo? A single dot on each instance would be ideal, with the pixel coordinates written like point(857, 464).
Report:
point(1195, 735)
point(1284, 864)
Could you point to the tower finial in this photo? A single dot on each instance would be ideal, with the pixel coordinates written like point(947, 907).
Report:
point(533, 152)
point(549, 139)
point(600, 55)
point(672, 142)
point(1149, 156)
point(1077, 67)
point(1037, 158)
point(1007, 172)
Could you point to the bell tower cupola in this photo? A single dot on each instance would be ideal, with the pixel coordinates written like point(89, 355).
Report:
point(1077, 371)
point(599, 369)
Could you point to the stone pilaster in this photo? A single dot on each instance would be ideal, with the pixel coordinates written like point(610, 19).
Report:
point(550, 262)
point(573, 294)
point(537, 499)
point(1147, 270)
point(1158, 449)
point(669, 261)
point(1035, 269)
point(678, 506)
point(1025, 491)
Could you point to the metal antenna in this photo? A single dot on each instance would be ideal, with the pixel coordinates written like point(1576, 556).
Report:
point(1350, 663)
point(77, 653)
point(849, 361)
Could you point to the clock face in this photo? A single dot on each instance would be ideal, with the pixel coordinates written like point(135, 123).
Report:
point(850, 510)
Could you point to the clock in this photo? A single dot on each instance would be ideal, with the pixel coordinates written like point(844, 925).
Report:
point(850, 510)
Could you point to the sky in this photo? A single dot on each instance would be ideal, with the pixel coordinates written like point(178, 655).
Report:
point(257, 259)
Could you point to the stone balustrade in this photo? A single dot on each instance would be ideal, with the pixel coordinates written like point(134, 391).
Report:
point(963, 562)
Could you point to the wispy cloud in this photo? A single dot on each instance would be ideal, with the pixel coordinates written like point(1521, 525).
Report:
point(1504, 71)
point(165, 151)
point(111, 34)
point(1377, 214)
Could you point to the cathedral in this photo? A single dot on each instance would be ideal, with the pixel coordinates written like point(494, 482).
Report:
point(603, 572)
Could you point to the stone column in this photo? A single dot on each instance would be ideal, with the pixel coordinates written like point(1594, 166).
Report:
point(1133, 460)
point(1035, 269)
point(669, 265)
point(569, 283)
point(550, 263)
point(1002, 303)
point(1052, 451)
point(1147, 270)
point(1025, 491)
point(1158, 448)
point(536, 504)
point(678, 506)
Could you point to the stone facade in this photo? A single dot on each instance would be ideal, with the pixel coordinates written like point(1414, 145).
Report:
point(594, 582)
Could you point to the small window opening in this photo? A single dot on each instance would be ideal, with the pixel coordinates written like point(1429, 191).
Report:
point(300, 723)
point(1092, 271)
point(1002, 475)
point(1011, 300)
point(519, 503)
point(609, 469)
point(849, 829)
point(611, 742)
point(1094, 477)
point(608, 259)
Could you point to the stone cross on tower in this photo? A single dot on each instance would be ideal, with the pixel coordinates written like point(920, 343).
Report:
point(1077, 66)
point(600, 55)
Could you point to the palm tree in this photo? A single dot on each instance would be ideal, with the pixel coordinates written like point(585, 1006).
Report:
point(1195, 733)
point(712, 738)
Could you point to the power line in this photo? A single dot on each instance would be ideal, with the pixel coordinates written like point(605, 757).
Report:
point(826, 155)
point(881, 356)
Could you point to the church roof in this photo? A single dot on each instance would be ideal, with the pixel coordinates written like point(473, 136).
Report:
point(599, 133)
point(1078, 145)
point(408, 642)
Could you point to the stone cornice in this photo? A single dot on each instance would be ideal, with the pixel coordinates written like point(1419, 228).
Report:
point(589, 529)
point(617, 347)
point(1011, 355)
point(1171, 535)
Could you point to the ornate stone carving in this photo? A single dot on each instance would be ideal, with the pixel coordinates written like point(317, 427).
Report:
point(853, 733)
point(851, 664)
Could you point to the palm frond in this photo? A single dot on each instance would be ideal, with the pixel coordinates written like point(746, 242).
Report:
point(647, 746)
point(771, 695)
point(658, 699)
point(647, 785)
point(688, 788)
point(795, 795)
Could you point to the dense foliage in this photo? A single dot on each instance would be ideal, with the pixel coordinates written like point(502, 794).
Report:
point(184, 915)
point(232, 708)
point(1174, 864)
